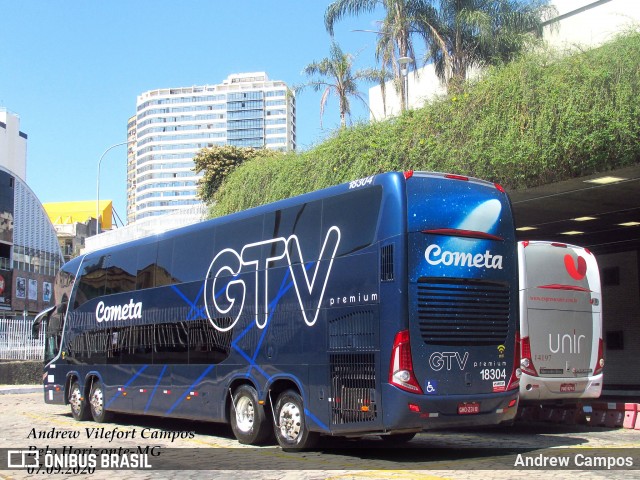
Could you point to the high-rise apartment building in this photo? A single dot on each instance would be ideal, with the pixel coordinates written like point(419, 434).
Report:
point(171, 125)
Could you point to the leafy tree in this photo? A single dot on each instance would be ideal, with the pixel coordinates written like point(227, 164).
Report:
point(217, 162)
point(334, 74)
point(395, 31)
point(464, 34)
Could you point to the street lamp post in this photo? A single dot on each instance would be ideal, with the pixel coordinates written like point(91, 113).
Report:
point(404, 70)
point(98, 185)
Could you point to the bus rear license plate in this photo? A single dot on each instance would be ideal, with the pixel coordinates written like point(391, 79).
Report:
point(468, 408)
point(567, 387)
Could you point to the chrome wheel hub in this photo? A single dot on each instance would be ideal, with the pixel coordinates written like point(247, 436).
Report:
point(290, 421)
point(75, 399)
point(97, 401)
point(244, 414)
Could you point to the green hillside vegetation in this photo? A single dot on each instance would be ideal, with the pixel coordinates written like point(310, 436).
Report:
point(540, 119)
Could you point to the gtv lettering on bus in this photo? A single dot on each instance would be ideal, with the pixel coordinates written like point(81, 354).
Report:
point(435, 256)
point(128, 311)
point(228, 263)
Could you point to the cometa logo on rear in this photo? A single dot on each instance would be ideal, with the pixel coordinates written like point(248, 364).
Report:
point(435, 256)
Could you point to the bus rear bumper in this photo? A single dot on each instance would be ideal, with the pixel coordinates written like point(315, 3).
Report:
point(425, 412)
point(54, 393)
point(536, 388)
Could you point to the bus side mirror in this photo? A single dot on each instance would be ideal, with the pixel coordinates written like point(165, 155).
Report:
point(35, 331)
point(37, 322)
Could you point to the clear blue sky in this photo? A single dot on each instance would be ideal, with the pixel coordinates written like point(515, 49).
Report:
point(72, 70)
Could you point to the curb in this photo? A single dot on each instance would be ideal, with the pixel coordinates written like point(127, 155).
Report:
point(14, 389)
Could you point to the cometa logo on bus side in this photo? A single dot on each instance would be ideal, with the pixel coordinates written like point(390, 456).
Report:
point(111, 313)
point(435, 256)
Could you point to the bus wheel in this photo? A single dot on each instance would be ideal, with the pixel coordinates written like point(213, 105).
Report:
point(291, 429)
point(397, 438)
point(79, 408)
point(96, 402)
point(248, 419)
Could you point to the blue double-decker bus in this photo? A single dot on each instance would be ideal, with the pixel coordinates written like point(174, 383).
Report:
point(384, 306)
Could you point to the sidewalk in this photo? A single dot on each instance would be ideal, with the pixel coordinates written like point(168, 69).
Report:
point(7, 389)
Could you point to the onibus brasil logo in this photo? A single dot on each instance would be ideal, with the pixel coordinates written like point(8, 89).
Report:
point(224, 290)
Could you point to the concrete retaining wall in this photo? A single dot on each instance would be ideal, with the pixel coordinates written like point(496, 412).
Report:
point(21, 372)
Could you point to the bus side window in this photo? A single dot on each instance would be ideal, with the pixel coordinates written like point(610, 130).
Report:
point(146, 266)
point(163, 274)
point(356, 215)
point(92, 280)
point(186, 266)
point(121, 272)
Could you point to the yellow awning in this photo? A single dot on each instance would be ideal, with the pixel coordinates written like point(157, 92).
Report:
point(67, 213)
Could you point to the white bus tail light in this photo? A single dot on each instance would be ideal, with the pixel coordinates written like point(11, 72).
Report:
point(526, 362)
point(600, 362)
point(516, 372)
point(401, 368)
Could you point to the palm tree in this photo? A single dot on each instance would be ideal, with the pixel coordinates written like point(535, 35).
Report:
point(395, 31)
point(334, 75)
point(465, 34)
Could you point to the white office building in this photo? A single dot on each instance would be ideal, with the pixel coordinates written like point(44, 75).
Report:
point(13, 144)
point(171, 125)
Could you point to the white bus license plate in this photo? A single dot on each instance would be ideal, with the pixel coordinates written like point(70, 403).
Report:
point(468, 408)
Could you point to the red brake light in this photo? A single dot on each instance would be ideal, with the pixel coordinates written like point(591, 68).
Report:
point(526, 362)
point(500, 188)
point(572, 288)
point(600, 362)
point(525, 244)
point(408, 174)
point(457, 177)
point(514, 380)
point(401, 367)
point(454, 232)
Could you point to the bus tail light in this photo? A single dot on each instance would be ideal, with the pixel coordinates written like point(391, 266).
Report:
point(401, 368)
point(600, 362)
point(408, 174)
point(526, 362)
point(516, 373)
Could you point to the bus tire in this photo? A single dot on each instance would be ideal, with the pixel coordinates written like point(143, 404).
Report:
point(96, 403)
point(248, 419)
point(291, 429)
point(78, 404)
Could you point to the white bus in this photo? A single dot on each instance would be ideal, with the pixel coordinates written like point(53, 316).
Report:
point(560, 322)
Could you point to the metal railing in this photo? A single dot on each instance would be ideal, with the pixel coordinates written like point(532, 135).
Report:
point(16, 341)
point(147, 227)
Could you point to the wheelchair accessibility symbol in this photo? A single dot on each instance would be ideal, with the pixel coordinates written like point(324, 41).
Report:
point(430, 387)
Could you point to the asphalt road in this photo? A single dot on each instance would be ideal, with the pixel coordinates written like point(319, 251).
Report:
point(184, 449)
